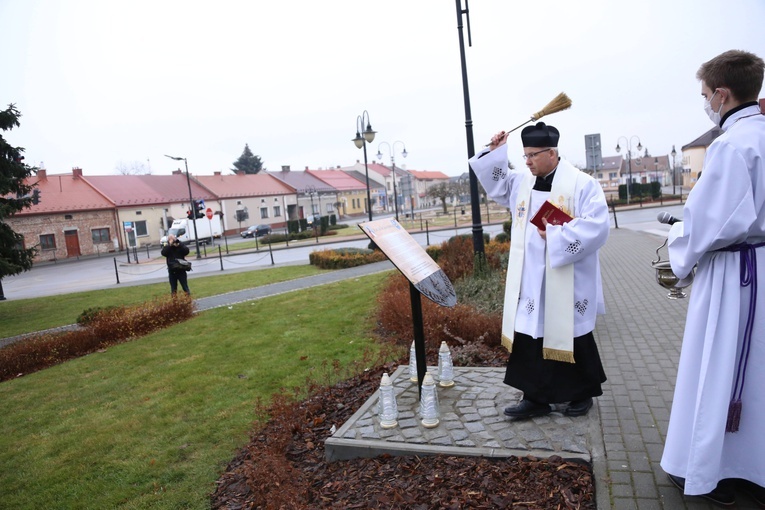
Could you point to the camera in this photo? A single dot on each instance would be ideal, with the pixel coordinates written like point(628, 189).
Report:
point(177, 242)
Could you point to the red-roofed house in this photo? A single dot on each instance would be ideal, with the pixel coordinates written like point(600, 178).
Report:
point(378, 175)
point(609, 175)
point(314, 196)
point(71, 219)
point(424, 179)
point(266, 199)
point(148, 204)
point(351, 192)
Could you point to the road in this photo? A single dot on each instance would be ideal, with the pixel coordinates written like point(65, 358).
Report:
point(67, 276)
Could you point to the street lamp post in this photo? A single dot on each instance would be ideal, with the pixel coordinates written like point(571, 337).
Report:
point(674, 176)
point(629, 158)
point(191, 202)
point(392, 150)
point(311, 190)
point(475, 204)
point(361, 143)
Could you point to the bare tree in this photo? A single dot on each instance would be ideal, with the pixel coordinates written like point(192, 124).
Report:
point(132, 168)
point(441, 191)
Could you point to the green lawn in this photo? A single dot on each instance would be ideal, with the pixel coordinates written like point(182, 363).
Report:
point(20, 316)
point(153, 422)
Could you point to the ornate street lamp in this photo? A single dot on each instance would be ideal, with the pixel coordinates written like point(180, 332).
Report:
point(392, 150)
point(311, 191)
point(475, 204)
point(361, 142)
point(674, 176)
point(629, 158)
point(191, 202)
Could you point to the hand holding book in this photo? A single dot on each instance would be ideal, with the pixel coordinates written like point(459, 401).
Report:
point(552, 214)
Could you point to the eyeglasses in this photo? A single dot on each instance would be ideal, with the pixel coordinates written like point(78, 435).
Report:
point(528, 156)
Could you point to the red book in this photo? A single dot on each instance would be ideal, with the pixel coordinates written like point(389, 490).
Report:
point(552, 214)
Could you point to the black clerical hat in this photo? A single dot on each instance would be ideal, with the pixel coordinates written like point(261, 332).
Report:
point(540, 135)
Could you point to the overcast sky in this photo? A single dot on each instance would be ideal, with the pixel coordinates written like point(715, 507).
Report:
point(104, 83)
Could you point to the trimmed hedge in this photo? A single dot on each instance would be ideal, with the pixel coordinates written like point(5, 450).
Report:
point(345, 257)
point(99, 328)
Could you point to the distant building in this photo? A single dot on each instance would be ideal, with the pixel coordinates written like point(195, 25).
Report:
point(694, 154)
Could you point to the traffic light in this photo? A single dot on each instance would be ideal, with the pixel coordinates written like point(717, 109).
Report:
point(199, 207)
point(36, 196)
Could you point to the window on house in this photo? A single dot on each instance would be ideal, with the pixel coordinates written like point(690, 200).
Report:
point(100, 235)
point(330, 208)
point(138, 213)
point(277, 211)
point(47, 242)
point(264, 212)
point(67, 216)
point(612, 175)
point(140, 228)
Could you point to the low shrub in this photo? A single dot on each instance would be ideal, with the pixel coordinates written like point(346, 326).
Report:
point(497, 254)
point(344, 258)
point(89, 314)
point(486, 294)
point(434, 250)
point(477, 317)
point(281, 238)
point(502, 238)
point(460, 325)
point(99, 329)
point(456, 258)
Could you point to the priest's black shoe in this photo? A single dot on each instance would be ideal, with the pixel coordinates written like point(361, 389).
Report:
point(722, 494)
point(528, 409)
point(751, 489)
point(578, 407)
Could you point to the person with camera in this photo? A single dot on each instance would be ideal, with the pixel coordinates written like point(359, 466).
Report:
point(174, 251)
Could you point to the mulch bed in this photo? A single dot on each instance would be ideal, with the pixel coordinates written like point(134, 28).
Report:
point(283, 467)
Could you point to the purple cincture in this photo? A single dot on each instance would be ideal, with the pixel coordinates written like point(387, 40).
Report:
point(748, 278)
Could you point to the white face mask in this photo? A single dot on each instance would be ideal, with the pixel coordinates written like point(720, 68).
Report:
point(714, 116)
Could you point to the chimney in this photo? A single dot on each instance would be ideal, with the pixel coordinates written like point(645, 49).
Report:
point(177, 172)
point(77, 172)
point(285, 168)
point(42, 174)
point(216, 173)
point(306, 167)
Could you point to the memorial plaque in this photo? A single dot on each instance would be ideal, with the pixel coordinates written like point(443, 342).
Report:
point(411, 259)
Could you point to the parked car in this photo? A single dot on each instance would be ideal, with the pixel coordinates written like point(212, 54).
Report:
point(257, 231)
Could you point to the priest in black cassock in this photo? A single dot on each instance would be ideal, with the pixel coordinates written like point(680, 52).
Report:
point(553, 290)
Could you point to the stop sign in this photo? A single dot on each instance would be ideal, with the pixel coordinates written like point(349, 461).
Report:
point(208, 212)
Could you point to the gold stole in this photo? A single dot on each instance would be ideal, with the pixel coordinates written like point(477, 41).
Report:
point(559, 282)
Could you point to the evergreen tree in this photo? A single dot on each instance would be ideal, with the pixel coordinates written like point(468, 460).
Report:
point(248, 162)
point(15, 195)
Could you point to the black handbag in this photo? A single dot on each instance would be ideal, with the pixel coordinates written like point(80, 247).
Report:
point(180, 264)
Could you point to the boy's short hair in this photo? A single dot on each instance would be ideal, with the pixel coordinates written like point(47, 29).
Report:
point(739, 71)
